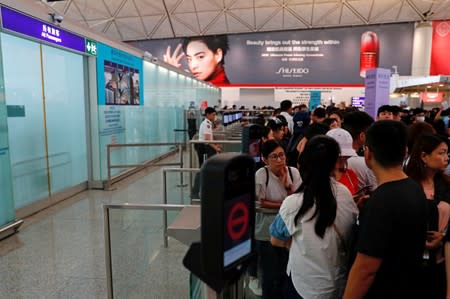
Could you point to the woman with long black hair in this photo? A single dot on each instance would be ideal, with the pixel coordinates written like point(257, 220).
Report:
point(315, 223)
point(427, 164)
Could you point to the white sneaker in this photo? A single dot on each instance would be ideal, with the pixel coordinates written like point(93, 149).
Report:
point(253, 284)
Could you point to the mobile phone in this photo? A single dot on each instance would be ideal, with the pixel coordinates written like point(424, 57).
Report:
point(365, 190)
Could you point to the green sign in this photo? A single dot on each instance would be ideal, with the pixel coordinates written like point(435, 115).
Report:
point(15, 110)
point(91, 47)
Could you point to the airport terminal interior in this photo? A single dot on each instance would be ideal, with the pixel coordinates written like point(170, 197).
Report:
point(123, 121)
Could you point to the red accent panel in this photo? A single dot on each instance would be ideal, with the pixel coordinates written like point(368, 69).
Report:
point(440, 62)
point(293, 85)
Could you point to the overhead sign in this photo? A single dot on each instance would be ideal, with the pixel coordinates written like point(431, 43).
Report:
point(91, 47)
point(432, 97)
point(23, 24)
point(316, 56)
point(314, 100)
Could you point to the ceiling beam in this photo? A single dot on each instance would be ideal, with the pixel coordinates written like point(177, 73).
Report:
point(113, 17)
point(140, 18)
point(66, 7)
point(356, 13)
point(169, 16)
point(329, 12)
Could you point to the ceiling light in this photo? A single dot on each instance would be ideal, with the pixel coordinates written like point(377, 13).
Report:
point(441, 85)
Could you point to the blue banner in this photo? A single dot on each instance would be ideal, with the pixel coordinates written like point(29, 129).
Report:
point(119, 77)
point(23, 24)
point(314, 100)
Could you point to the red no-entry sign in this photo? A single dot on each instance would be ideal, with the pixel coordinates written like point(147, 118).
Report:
point(237, 221)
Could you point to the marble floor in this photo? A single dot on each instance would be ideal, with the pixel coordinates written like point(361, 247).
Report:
point(60, 252)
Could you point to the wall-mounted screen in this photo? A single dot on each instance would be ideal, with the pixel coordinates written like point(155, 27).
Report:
point(358, 102)
point(120, 83)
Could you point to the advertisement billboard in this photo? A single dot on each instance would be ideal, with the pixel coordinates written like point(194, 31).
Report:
point(331, 56)
point(119, 77)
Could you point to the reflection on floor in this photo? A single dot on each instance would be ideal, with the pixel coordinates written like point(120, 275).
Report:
point(59, 252)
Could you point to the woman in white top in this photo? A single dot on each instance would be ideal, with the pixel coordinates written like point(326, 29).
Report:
point(274, 183)
point(315, 224)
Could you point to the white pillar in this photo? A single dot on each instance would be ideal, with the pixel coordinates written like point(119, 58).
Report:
point(421, 56)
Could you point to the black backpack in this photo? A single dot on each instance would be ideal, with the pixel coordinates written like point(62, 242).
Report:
point(291, 150)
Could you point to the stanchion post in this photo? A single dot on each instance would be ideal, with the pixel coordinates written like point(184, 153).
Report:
point(166, 242)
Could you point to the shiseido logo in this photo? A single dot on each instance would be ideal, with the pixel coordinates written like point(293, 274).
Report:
point(291, 70)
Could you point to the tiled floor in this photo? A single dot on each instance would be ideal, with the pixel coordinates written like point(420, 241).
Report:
point(60, 252)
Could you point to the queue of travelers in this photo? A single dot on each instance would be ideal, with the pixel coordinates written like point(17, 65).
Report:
point(361, 206)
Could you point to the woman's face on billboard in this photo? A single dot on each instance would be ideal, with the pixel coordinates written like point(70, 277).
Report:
point(201, 60)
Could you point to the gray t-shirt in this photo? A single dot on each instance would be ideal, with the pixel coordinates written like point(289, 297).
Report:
point(274, 190)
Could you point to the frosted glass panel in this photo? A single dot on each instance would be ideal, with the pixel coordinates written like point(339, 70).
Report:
point(6, 194)
point(66, 125)
point(21, 65)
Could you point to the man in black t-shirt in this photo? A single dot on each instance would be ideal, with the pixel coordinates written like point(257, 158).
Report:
point(393, 224)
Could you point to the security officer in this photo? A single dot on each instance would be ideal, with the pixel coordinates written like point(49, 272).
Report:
point(206, 133)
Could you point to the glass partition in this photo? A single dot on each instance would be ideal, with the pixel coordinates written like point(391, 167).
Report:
point(141, 266)
point(23, 87)
point(65, 113)
point(47, 138)
point(6, 199)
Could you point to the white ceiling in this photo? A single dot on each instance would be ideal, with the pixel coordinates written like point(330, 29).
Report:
point(126, 20)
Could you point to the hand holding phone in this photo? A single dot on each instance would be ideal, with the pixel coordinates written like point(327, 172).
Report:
point(434, 239)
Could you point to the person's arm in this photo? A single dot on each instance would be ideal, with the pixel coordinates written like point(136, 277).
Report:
point(438, 115)
point(361, 276)
point(301, 144)
point(215, 146)
point(434, 240)
point(447, 266)
point(279, 234)
point(280, 243)
point(270, 204)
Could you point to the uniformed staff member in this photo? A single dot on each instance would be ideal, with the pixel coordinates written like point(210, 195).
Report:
point(206, 133)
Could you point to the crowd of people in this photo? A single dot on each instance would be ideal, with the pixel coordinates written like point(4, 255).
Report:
point(363, 204)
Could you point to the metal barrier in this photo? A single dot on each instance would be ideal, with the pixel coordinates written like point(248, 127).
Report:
point(181, 171)
point(175, 131)
point(193, 142)
point(138, 167)
point(193, 211)
point(106, 210)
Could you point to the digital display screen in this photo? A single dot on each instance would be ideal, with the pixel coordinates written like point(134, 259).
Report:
point(122, 84)
point(432, 97)
point(254, 150)
point(237, 230)
point(358, 102)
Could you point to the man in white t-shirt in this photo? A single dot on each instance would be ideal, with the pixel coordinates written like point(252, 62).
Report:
point(286, 110)
point(356, 123)
point(206, 133)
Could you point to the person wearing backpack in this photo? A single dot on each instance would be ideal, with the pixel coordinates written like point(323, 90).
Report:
point(273, 183)
point(315, 223)
point(301, 123)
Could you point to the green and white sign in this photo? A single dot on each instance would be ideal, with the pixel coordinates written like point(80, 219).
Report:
point(91, 47)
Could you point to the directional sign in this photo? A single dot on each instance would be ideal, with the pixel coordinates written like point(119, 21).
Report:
point(91, 47)
point(238, 219)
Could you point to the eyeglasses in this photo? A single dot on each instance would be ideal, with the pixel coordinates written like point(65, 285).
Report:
point(274, 157)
